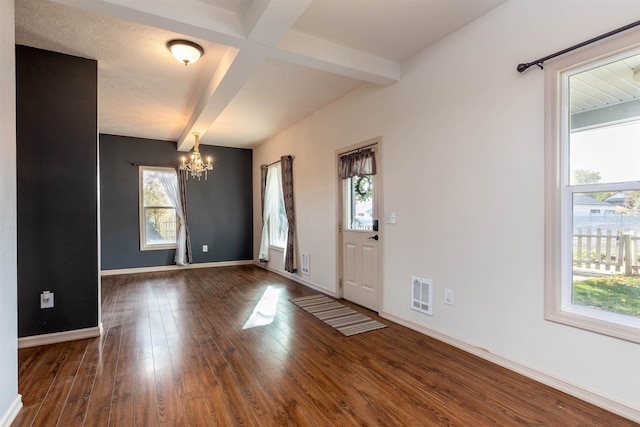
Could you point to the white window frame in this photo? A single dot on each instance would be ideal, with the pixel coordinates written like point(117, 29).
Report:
point(142, 216)
point(558, 194)
point(274, 216)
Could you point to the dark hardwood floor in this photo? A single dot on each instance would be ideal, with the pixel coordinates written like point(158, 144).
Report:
point(175, 351)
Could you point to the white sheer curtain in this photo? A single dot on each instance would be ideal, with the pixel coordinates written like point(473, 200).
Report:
point(271, 195)
point(169, 181)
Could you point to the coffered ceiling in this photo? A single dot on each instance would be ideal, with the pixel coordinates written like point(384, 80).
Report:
point(267, 63)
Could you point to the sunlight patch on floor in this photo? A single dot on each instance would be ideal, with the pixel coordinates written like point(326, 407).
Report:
point(264, 312)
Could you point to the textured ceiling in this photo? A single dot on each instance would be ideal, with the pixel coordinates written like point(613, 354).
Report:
point(267, 63)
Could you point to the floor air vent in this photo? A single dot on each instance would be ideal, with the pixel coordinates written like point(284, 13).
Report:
point(422, 295)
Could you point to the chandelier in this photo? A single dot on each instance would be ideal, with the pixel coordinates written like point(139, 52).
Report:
point(196, 166)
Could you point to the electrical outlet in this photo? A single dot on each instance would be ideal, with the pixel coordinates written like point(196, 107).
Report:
point(205, 248)
point(448, 296)
point(46, 299)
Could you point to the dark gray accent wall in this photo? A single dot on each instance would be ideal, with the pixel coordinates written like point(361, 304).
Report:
point(219, 209)
point(57, 190)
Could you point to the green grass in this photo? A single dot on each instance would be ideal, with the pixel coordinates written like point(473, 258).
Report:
point(616, 294)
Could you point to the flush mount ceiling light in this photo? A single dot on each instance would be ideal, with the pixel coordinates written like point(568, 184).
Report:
point(185, 51)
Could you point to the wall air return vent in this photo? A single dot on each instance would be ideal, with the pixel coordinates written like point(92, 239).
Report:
point(422, 295)
point(305, 264)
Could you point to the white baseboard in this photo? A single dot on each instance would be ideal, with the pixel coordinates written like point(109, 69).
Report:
point(57, 337)
point(173, 267)
point(581, 393)
point(298, 279)
point(12, 412)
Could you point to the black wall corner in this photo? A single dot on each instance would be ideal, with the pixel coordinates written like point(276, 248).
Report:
point(219, 210)
point(57, 190)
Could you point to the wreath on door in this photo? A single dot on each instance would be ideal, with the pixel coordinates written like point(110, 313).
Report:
point(363, 188)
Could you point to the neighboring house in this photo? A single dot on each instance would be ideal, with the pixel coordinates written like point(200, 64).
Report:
point(621, 198)
point(588, 206)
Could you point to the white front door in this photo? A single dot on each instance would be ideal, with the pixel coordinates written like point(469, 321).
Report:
point(360, 241)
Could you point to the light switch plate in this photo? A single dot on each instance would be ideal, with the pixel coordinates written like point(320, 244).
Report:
point(448, 296)
point(389, 217)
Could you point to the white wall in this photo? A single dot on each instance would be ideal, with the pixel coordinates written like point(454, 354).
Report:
point(463, 129)
point(9, 399)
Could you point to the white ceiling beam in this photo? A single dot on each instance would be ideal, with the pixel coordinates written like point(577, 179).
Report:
point(197, 19)
point(314, 52)
point(255, 11)
point(267, 21)
point(233, 72)
point(264, 31)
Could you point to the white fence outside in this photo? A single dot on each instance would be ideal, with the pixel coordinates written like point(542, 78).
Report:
point(606, 251)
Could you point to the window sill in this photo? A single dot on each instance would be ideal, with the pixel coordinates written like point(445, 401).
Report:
point(157, 247)
point(613, 329)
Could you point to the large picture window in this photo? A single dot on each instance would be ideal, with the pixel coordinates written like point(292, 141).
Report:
point(593, 193)
point(158, 220)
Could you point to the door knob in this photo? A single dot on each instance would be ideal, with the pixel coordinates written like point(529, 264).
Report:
point(374, 237)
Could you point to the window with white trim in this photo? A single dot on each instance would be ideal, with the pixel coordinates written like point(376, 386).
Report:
point(278, 224)
point(592, 277)
point(158, 219)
